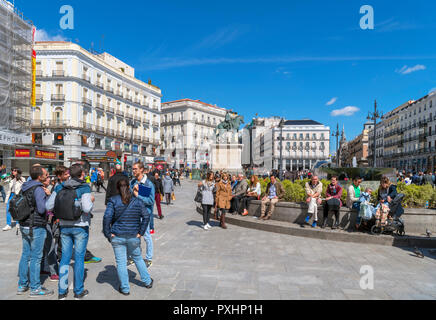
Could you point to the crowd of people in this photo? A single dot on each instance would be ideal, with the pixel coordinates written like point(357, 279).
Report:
point(418, 178)
point(54, 222)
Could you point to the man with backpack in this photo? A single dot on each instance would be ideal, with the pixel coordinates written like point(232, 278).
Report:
point(73, 206)
point(30, 212)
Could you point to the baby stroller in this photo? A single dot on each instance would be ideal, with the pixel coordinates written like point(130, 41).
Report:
point(384, 223)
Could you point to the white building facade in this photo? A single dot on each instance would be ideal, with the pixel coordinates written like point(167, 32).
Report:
point(188, 131)
point(304, 143)
point(88, 102)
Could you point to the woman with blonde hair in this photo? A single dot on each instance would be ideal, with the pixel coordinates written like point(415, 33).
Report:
point(253, 193)
point(223, 197)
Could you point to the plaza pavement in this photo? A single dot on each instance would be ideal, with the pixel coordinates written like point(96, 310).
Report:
point(190, 263)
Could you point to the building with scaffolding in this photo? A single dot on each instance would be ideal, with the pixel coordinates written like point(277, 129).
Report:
point(16, 41)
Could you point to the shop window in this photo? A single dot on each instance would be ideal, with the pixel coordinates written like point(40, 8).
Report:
point(37, 138)
point(59, 139)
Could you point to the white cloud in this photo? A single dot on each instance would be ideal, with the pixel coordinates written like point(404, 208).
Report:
point(332, 101)
point(408, 70)
point(347, 111)
point(42, 35)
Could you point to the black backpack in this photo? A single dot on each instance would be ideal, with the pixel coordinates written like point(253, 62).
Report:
point(22, 205)
point(65, 207)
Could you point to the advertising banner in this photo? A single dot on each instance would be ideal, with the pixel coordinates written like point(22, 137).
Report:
point(45, 154)
point(22, 153)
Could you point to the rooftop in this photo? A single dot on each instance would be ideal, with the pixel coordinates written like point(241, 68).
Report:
point(305, 122)
point(197, 101)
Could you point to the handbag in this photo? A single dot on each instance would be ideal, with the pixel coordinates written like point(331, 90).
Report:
point(199, 197)
point(161, 197)
point(173, 197)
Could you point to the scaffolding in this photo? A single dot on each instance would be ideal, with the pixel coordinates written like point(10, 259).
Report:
point(15, 69)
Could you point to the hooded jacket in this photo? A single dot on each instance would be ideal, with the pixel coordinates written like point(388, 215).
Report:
point(84, 195)
point(40, 198)
point(168, 184)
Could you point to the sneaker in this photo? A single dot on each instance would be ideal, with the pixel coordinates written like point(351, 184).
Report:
point(81, 296)
point(314, 224)
point(93, 260)
point(161, 217)
point(150, 285)
point(208, 226)
point(7, 228)
point(148, 263)
point(54, 278)
point(307, 219)
point(205, 227)
point(151, 231)
point(124, 293)
point(63, 296)
point(41, 292)
point(22, 290)
point(245, 213)
point(130, 262)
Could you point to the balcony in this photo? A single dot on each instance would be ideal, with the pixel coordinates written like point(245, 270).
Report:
point(87, 126)
point(137, 138)
point(100, 85)
point(38, 124)
point(120, 113)
point(129, 116)
point(39, 73)
point(59, 124)
point(39, 99)
point(111, 132)
point(99, 106)
point(86, 78)
point(87, 102)
point(119, 93)
point(110, 110)
point(110, 89)
point(58, 73)
point(58, 98)
point(120, 134)
point(155, 124)
point(100, 130)
point(145, 140)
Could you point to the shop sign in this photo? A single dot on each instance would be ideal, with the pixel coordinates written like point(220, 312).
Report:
point(22, 153)
point(45, 154)
point(12, 139)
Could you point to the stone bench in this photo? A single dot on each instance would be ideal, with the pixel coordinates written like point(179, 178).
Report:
point(416, 220)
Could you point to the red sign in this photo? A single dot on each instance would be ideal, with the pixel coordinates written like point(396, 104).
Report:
point(45, 154)
point(22, 153)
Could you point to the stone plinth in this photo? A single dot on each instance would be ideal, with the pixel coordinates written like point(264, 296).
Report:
point(226, 157)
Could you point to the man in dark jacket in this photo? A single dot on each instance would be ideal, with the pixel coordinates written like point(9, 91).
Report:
point(239, 192)
point(112, 183)
point(33, 233)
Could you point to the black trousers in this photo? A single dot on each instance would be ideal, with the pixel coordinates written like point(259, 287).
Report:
point(235, 204)
point(206, 213)
point(245, 203)
point(168, 197)
point(329, 207)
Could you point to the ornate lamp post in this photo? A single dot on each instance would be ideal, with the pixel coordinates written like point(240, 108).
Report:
point(282, 123)
point(337, 135)
point(374, 116)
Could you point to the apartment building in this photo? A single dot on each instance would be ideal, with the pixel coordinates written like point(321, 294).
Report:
point(188, 131)
point(90, 103)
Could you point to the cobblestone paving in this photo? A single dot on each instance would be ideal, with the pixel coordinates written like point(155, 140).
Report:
point(190, 263)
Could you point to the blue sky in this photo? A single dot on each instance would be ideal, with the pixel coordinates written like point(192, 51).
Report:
point(295, 59)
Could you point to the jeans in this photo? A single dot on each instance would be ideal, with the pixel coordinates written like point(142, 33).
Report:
point(129, 246)
point(2, 191)
point(32, 252)
point(8, 214)
point(78, 238)
point(149, 242)
point(356, 206)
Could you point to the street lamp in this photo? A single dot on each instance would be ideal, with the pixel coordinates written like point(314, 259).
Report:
point(377, 114)
point(337, 134)
point(281, 124)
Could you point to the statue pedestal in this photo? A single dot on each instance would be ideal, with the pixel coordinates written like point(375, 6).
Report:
point(227, 157)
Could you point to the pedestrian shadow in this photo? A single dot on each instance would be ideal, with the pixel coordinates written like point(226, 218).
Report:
point(110, 276)
point(195, 223)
